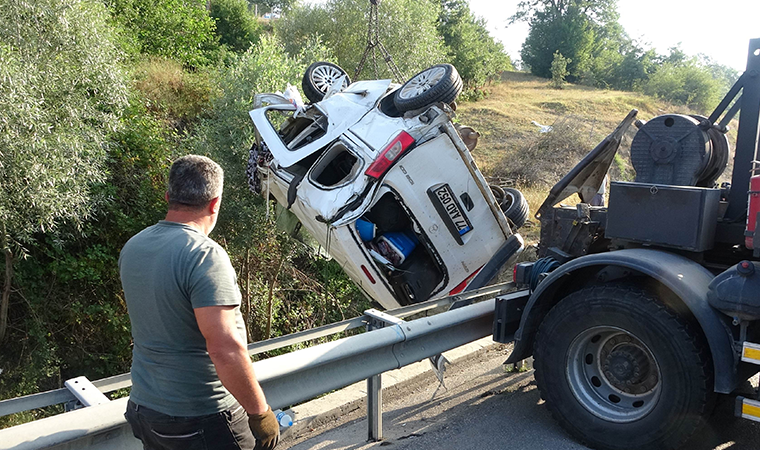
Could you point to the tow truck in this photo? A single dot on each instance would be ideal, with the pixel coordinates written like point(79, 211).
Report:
point(639, 313)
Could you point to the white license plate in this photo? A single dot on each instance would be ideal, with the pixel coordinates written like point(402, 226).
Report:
point(450, 209)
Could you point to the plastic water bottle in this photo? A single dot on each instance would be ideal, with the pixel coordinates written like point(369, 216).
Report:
point(283, 418)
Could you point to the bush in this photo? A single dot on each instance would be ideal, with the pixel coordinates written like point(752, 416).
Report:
point(236, 26)
point(171, 93)
point(686, 83)
point(559, 70)
point(177, 29)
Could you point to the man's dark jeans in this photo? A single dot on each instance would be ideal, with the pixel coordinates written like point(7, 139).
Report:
point(227, 430)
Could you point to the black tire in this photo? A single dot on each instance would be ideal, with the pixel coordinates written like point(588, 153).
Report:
point(439, 83)
point(515, 207)
point(663, 392)
point(319, 77)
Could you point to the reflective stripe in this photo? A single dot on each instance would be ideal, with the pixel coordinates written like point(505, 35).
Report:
point(750, 410)
point(751, 352)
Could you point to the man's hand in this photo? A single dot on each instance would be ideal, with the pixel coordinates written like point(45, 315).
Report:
point(265, 429)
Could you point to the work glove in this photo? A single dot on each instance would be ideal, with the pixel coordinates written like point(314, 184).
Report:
point(265, 429)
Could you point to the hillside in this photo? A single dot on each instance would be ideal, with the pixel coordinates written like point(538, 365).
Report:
point(511, 148)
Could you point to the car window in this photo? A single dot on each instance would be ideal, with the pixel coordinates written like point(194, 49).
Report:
point(295, 132)
point(338, 166)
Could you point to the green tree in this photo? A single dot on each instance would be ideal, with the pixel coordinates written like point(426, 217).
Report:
point(60, 96)
point(572, 27)
point(236, 27)
point(177, 29)
point(407, 28)
point(473, 51)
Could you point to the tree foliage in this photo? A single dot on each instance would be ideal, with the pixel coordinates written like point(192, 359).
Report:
point(472, 50)
point(570, 27)
point(178, 29)
point(602, 54)
point(407, 28)
point(277, 6)
point(236, 27)
point(61, 94)
point(688, 81)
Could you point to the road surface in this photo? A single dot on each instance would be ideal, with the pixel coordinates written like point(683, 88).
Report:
point(485, 408)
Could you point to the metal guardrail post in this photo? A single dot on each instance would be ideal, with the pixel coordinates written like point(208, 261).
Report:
point(375, 407)
point(377, 320)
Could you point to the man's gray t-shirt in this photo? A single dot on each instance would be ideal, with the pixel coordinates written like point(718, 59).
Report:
point(168, 270)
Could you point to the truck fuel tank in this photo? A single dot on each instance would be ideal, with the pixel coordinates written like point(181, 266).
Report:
point(736, 292)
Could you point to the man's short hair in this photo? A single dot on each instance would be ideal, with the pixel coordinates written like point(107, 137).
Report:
point(194, 181)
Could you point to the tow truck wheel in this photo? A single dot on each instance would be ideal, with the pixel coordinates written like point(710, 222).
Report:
point(621, 371)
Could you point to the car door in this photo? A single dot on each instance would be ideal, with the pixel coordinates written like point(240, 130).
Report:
point(435, 183)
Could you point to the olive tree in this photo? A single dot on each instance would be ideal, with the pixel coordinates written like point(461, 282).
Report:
point(60, 96)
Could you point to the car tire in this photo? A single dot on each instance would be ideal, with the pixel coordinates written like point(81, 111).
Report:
point(619, 370)
point(439, 83)
point(318, 79)
point(515, 207)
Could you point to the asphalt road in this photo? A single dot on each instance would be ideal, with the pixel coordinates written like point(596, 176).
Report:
point(484, 408)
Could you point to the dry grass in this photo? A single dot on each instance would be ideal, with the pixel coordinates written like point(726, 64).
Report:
point(172, 93)
point(512, 148)
point(504, 117)
point(513, 151)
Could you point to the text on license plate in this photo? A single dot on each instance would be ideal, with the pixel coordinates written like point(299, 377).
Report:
point(453, 209)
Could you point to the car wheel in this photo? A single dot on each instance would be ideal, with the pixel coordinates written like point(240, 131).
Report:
point(515, 207)
point(620, 371)
point(318, 79)
point(439, 83)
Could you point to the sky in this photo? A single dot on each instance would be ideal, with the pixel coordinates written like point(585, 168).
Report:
point(720, 30)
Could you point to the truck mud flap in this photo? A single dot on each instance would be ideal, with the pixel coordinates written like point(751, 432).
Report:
point(507, 314)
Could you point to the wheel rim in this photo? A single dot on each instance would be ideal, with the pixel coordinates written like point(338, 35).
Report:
point(613, 374)
point(323, 77)
point(422, 82)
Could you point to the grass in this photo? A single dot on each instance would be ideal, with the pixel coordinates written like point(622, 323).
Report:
point(172, 93)
point(504, 118)
point(512, 150)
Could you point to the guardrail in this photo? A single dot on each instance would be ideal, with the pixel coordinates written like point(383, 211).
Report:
point(287, 379)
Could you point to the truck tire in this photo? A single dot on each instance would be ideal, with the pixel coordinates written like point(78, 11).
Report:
point(439, 83)
point(618, 370)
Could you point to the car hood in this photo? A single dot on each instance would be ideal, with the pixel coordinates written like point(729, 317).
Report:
point(342, 110)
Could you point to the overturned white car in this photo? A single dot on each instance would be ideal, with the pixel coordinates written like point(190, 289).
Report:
point(384, 181)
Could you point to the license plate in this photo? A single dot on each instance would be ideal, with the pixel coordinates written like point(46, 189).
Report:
point(451, 211)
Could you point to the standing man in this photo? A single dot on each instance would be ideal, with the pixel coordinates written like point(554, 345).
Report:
point(193, 385)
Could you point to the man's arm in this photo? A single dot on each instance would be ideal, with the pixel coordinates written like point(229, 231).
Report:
point(230, 356)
